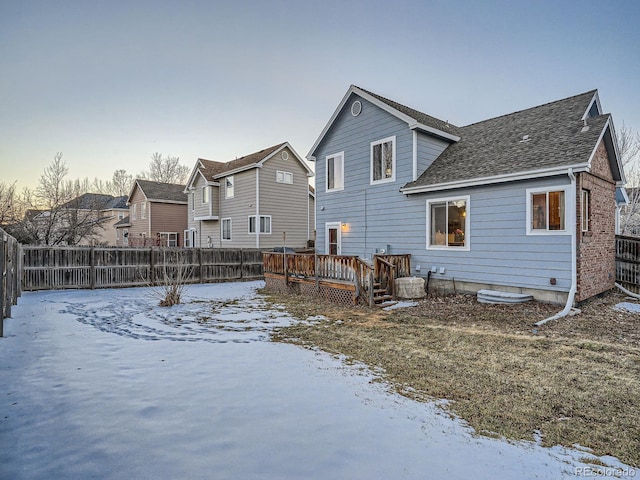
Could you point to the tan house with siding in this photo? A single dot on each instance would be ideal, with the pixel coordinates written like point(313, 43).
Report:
point(251, 202)
point(157, 215)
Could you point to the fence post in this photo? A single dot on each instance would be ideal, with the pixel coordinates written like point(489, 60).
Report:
point(241, 263)
point(3, 265)
point(92, 268)
point(9, 274)
point(152, 268)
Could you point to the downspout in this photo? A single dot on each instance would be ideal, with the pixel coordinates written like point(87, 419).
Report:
point(574, 257)
point(627, 292)
point(257, 223)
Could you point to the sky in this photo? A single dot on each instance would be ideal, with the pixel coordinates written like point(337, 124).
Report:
point(109, 83)
point(196, 391)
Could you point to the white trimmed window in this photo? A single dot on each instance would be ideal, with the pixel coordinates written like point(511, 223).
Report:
point(143, 210)
point(584, 210)
point(229, 183)
point(169, 239)
point(265, 224)
point(134, 211)
point(284, 177)
point(335, 172)
point(383, 160)
point(192, 198)
point(546, 211)
point(226, 229)
point(448, 223)
point(205, 194)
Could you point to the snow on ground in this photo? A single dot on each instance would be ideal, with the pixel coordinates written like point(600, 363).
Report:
point(105, 384)
point(627, 307)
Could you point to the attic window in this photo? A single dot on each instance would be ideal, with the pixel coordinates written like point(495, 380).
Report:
point(229, 187)
point(356, 108)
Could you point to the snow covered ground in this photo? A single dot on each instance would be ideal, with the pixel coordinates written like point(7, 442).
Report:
point(105, 384)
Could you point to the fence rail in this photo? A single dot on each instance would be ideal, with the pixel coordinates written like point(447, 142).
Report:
point(10, 268)
point(628, 262)
point(47, 268)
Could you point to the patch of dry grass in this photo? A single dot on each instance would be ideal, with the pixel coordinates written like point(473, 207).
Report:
point(576, 381)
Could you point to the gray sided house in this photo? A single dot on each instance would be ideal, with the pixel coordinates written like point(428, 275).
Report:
point(251, 202)
point(525, 202)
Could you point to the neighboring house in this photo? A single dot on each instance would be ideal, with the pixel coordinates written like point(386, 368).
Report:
point(85, 220)
point(109, 211)
point(122, 232)
point(157, 215)
point(629, 211)
point(524, 202)
point(251, 202)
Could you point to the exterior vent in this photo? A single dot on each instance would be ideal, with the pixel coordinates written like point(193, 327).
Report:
point(585, 127)
point(284, 155)
point(356, 108)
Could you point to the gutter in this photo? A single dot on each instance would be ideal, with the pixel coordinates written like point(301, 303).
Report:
point(568, 308)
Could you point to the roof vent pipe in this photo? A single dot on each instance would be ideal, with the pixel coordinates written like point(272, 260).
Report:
point(585, 127)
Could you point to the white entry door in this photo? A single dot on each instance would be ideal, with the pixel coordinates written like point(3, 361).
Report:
point(333, 238)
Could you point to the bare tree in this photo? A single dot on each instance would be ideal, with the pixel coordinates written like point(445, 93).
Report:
point(166, 170)
point(629, 149)
point(57, 212)
point(9, 204)
point(120, 183)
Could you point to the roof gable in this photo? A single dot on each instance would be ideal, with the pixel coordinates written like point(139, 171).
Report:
point(212, 170)
point(159, 192)
point(413, 118)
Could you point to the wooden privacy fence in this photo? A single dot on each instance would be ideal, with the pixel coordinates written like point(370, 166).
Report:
point(628, 262)
point(10, 267)
point(47, 268)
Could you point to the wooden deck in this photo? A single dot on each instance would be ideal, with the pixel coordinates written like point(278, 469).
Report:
point(367, 282)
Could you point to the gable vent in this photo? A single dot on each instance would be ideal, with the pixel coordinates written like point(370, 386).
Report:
point(284, 155)
point(356, 108)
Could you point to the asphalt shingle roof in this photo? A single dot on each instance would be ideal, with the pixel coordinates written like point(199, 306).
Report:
point(495, 147)
point(212, 169)
point(163, 191)
point(90, 201)
point(420, 117)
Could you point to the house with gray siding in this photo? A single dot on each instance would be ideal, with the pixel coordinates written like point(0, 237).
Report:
point(260, 200)
point(525, 202)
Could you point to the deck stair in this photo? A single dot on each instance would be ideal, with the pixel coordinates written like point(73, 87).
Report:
point(380, 296)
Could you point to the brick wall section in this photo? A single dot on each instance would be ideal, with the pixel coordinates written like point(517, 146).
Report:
point(596, 248)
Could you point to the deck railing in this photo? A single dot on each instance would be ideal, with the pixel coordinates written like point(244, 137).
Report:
point(380, 273)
